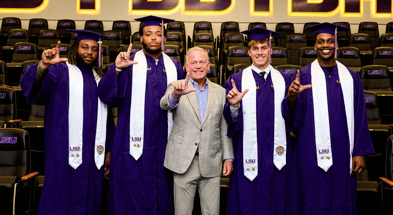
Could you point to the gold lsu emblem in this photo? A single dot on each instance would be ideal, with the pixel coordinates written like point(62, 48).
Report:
point(148, 68)
point(164, 70)
point(338, 81)
point(257, 87)
point(272, 86)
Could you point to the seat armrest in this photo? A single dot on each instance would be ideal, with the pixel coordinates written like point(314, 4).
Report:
point(386, 181)
point(29, 176)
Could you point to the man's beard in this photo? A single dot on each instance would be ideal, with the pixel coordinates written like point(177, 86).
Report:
point(149, 51)
point(83, 64)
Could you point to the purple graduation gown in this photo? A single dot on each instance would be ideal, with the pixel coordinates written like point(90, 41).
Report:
point(66, 190)
point(315, 191)
point(140, 186)
point(268, 192)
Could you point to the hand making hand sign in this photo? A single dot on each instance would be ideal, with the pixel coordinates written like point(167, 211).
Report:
point(123, 59)
point(181, 88)
point(296, 87)
point(51, 57)
point(234, 96)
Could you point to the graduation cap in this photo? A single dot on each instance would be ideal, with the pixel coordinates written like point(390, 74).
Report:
point(328, 28)
point(155, 21)
point(261, 34)
point(90, 35)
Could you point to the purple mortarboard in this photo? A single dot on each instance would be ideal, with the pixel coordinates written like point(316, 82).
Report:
point(155, 21)
point(261, 34)
point(328, 28)
point(90, 35)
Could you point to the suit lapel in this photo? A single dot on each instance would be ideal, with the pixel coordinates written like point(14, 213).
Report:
point(211, 98)
point(192, 97)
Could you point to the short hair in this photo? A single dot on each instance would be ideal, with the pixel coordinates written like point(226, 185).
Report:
point(197, 48)
point(256, 41)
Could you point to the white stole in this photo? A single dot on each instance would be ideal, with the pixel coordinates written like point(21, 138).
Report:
point(137, 111)
point(250, 140)
point(75, 121)
point(321, 112)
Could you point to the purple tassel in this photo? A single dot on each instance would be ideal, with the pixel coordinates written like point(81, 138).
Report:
point(270, 47)
point(335, 43)
point(162, 35)
point(99, 53)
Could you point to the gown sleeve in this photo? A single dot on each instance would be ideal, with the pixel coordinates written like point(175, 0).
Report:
point(34, 92)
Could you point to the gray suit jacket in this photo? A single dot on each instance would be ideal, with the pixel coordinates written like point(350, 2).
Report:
point(189, 131)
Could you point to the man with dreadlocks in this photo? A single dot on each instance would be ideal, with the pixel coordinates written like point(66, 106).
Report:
point(79, 128)
point(139, 182)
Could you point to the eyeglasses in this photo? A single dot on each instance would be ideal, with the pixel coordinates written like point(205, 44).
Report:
point(194, 63)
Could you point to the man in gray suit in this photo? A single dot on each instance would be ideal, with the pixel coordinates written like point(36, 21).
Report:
point(198, 143)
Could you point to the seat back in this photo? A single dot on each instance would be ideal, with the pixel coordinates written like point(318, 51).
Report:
point(307, 55)
point(135, 48)
point(37, 111)
point(285, 28)
point(24, 51)
point(63, 25)
point(344, 35)
point(372, 110)
point(124, 27)
point(17, 35)
point(177, 26)
point(7, 104)
point(3, 69)
point(236, 55)
point(9, 23)
point(383, 56)
point(47, 38)
point(310, 34)
point(375, 77)
point(175, 38)
point(296, 41)
point(389, 27)
point(288, 69)
point(370, 28)
point(228, 27)
point(36, 25)
point(173, 51)
point(360, 41)
point(26, 65)
point(256, 25)
point(387, 39)
point(239, 67)
point(94, 25)
point(202, 27)
point(136, 38)
point(212, 74)
point(37, 144)
point(14, 152)
point(213, 59)
point(233, 39)
point(350, 57)
point(112, 39)
point(279, 56)
point(105, 54)
point(64, 49)
point(205, 39)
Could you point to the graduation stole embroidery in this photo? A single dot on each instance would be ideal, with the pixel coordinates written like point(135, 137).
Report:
point(249, 106)
point(321, 112)
point(137, 112)
point(75, 121)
